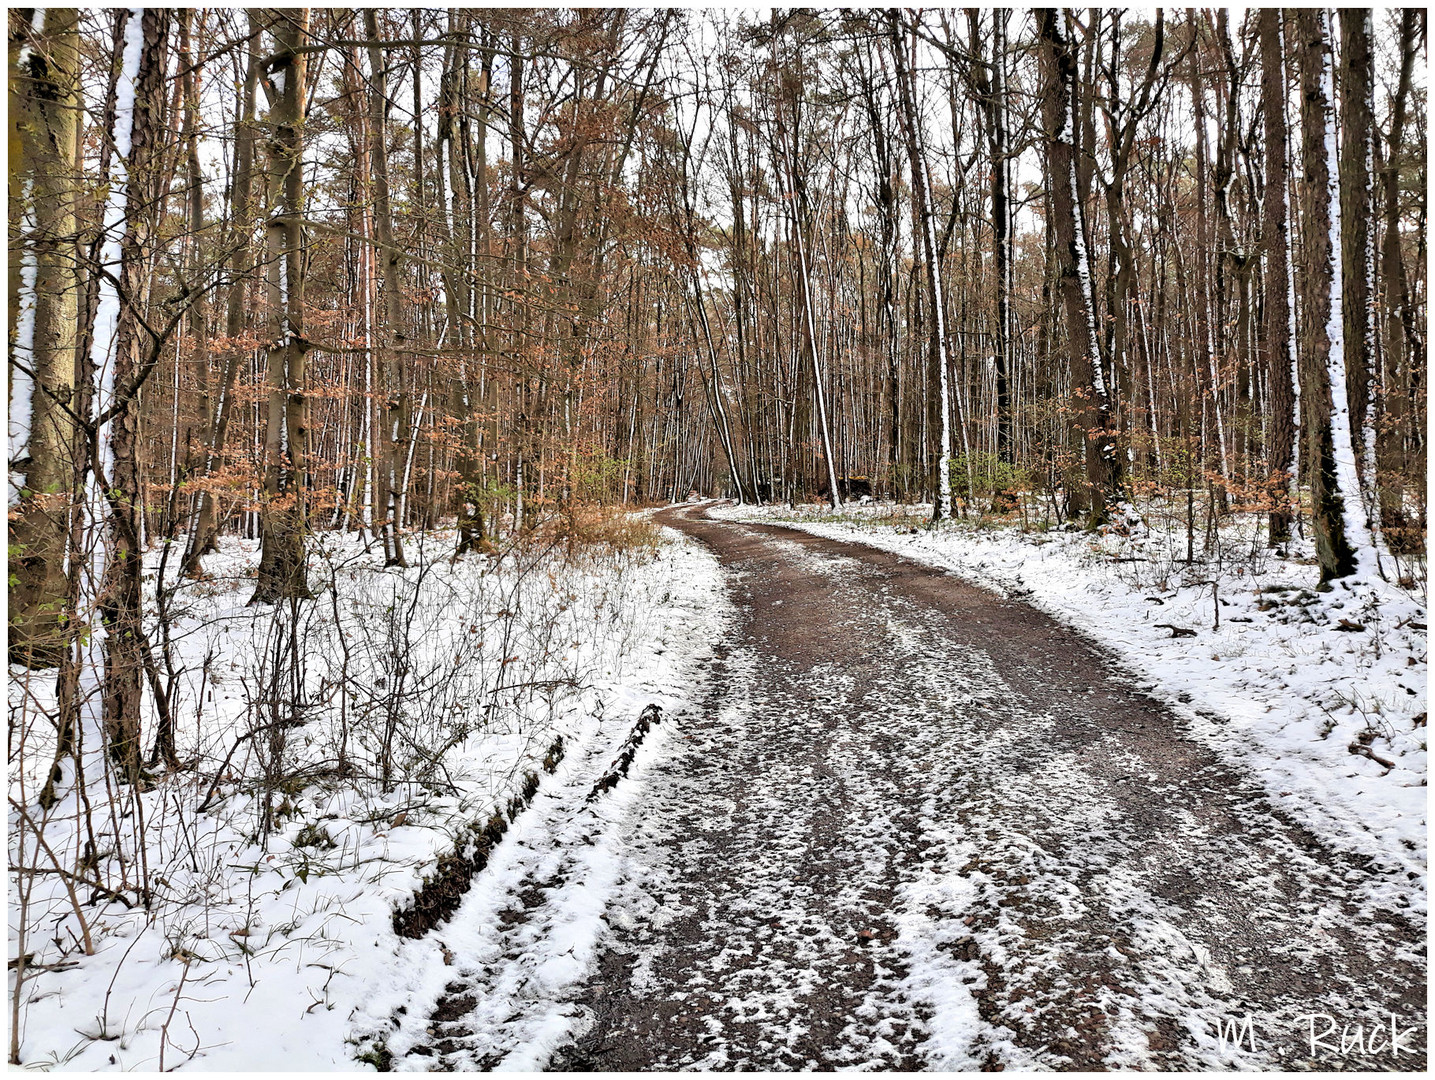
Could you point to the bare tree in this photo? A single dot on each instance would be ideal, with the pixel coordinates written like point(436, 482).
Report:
point(1325, 407)
point(282, 570)
point(220, 411)
point(926, 227)
point(1279, 287)
point(44, 84)
point(1093, 413)
point(1357, 248)
point(1403, 354)
point(394, 438)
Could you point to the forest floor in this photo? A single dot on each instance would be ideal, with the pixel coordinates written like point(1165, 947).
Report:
point(264, 947)
point(913, 823)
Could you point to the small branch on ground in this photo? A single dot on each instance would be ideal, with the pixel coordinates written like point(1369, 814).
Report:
point(1176, 631)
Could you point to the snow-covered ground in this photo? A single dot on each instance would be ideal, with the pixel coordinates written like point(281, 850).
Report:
point(1298, 686)
point(274, 948)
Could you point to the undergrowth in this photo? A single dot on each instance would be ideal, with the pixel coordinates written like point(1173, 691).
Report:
point(331, 750)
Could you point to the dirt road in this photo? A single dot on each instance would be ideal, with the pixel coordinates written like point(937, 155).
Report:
point(917, 825)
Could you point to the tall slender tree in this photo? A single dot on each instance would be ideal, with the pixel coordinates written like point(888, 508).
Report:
point(1279, 298)
point(987, 74)
point(282, 570)
point(1092, 411)
point(1335, 507)
point(205, 532)
point(926, 228)
point(394, 436)
point(794, 187)
point(1403, 351)
point(44, 112)
point(1357, 247)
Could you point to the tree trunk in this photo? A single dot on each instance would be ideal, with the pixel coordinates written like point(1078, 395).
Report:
point(241, 209)
point(1208, 313)
point(1326, 409)
point(394, 439)
point(796, 189)
point(926, 214)
point(283, 521)
point(1357, 247)
point(1279, 311)
point(43, 289)
point(989, 79)
point(1093, 406)
point(141, 82)
point(885, 198)
point(458, 221)
point(1391, 460)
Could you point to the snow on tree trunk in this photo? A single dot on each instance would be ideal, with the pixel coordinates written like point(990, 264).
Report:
point(1347, 476)
point(1340, 537)
point(1290, 294)
point(22, 352)
point(1280, 298)
point(1368, 312)
point(926, 218)
point(1357, 195)
point(96, 525)
point(1092, 419)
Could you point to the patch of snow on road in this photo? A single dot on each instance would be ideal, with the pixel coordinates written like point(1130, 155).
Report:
point(1280, 686)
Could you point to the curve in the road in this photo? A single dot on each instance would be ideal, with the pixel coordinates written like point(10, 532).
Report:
point(917, 825)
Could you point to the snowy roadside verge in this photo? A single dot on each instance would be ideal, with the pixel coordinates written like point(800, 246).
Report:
point(493, 987)
point(274, 953)
point(1281, 686)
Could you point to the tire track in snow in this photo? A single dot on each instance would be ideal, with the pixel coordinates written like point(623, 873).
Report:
point(526, 932)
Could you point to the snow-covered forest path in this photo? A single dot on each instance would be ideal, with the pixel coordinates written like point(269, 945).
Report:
point(919, 825)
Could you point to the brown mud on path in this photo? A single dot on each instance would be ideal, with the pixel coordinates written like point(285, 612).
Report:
point(917, 825)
